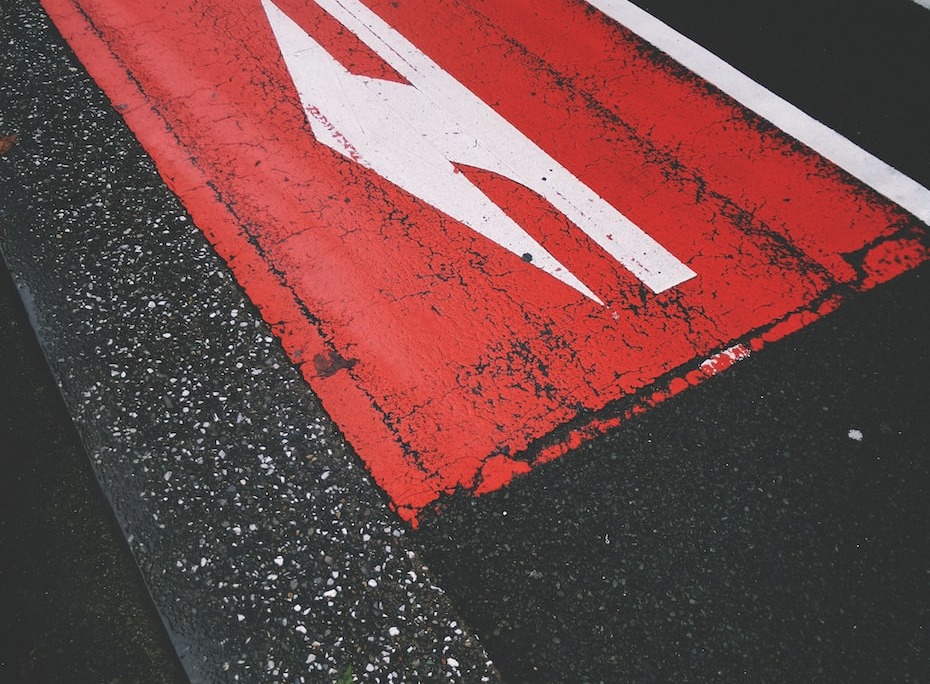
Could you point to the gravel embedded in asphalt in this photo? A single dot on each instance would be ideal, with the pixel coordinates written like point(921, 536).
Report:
point(269, 553)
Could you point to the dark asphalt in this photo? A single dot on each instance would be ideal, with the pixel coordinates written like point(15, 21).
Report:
point(737, 532)
point(73, 607)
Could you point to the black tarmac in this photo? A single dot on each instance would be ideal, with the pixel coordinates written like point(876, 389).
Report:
point(770, 525)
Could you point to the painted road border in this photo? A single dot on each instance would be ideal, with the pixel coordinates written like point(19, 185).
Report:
point(382, 442)
point(865, 166)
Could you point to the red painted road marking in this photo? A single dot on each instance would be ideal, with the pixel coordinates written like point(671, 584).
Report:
point(415, 133)
point(447, 359)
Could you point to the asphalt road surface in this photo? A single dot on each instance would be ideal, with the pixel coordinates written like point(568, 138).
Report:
point(770, 524)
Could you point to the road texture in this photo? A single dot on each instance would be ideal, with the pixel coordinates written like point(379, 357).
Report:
point(744, 531)
point(768, 525)
point(269, 553)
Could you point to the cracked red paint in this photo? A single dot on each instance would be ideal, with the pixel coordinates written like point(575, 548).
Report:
point(448, 361)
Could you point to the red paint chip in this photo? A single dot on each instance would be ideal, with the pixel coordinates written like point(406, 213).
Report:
point(449, 360)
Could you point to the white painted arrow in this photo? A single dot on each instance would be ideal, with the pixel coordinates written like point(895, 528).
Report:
point(412, 133)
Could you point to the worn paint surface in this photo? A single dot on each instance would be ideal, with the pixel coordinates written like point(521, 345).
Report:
point(447, 358)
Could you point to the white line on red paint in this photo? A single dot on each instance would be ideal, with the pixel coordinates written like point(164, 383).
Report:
point(412, 134)
point(838, 149)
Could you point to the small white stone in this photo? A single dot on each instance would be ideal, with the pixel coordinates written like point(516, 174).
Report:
point(855, 434)
point(452, 662)
point(393, 631)
point(279, 561)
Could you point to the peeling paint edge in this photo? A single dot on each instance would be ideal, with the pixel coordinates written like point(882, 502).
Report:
point(690, 375)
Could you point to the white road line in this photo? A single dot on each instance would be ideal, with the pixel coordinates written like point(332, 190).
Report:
point(923, 3)
point(844, 153)
point(413, 133)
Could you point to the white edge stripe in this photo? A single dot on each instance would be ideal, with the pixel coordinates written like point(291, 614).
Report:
point(841, 151)
point(923, 3)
